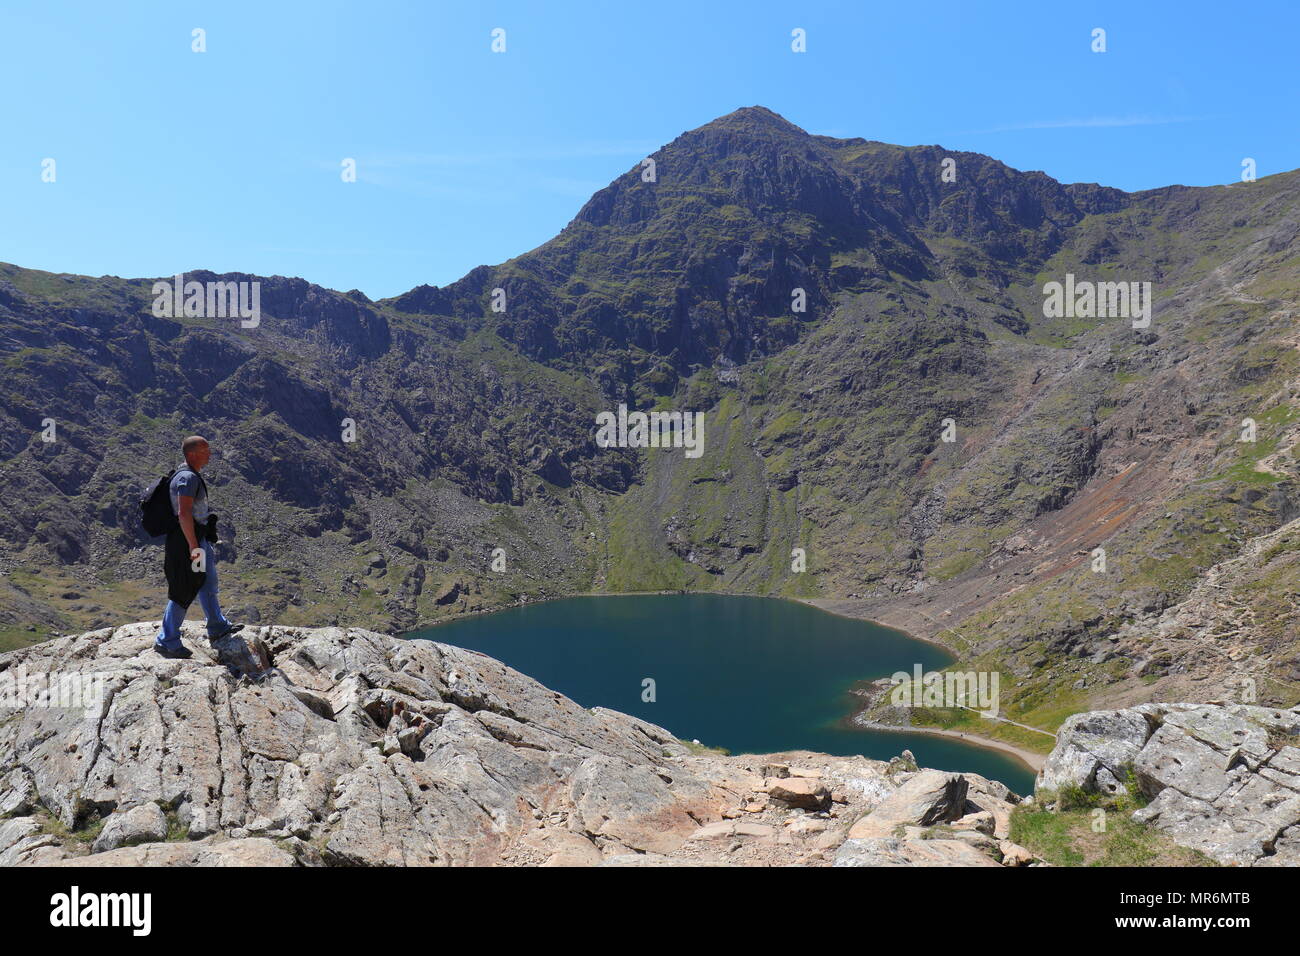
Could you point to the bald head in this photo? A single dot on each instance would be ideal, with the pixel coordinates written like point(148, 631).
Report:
point(196, 451)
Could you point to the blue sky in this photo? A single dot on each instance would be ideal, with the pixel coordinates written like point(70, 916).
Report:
point(169, 160)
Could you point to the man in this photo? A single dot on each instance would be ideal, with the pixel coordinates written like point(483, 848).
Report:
point(190, 561)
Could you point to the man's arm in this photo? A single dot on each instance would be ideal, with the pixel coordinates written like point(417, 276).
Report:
point(187, 523)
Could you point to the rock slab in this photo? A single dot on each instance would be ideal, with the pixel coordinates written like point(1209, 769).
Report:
point(1223, 779)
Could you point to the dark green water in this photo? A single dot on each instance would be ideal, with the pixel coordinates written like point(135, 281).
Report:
point(753, 675)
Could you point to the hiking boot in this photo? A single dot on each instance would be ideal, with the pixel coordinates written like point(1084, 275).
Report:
point(181, 653)
point(233, 629)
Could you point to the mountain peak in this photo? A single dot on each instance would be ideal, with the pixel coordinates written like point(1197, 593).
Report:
point(756, 117)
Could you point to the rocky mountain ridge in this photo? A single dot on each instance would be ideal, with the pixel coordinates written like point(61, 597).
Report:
point(362, 749)
point(475, 481)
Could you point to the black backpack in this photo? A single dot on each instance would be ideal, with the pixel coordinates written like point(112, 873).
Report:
point(156, 506)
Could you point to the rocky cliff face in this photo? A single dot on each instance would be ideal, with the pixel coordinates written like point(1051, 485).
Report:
point(360, 749)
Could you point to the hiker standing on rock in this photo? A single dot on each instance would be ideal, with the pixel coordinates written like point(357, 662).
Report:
point(190, 560)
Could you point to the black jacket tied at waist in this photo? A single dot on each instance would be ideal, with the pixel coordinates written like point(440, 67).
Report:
point(183, 582)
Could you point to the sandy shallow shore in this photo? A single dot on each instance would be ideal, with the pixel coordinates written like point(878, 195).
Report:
point(1034, 761)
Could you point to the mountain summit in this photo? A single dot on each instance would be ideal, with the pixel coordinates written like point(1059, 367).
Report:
point(715, 229)
point(1079, 499)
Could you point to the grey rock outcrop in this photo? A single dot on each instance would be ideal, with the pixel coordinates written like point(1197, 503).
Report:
point(143, 824)
point(480, 752)
point(1221, 779)
point(933, 819)
point(895, 851)
point(1093, 750)
point(361, 749)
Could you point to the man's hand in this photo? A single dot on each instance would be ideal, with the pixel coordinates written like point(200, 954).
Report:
point(187, 523)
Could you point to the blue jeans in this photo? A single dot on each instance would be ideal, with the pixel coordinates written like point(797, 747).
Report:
point(170, 635)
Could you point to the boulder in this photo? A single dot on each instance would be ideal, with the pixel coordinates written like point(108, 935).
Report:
point(143, 824)
point(982, 822)
point(1094, 750)
point(928, 798)
point(728, 828)
point(802, 793)
point(1013, 854)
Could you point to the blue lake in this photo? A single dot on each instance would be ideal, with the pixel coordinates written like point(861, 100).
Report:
point(751, 674)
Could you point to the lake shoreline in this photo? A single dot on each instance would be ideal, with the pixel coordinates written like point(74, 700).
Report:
point(1031, 760)
point(820, 604)
point(1026, 758)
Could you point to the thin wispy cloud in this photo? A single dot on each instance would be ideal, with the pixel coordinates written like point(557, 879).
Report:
point(1093, 122)
point(354, 251)
point(408, 171)
point(578, 188)
point(523, 155)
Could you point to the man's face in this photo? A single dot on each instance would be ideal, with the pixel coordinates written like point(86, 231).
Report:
point(199, 457)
